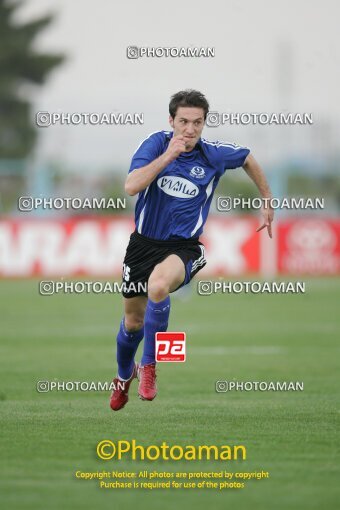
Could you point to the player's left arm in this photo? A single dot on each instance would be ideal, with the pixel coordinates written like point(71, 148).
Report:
point(256, 174)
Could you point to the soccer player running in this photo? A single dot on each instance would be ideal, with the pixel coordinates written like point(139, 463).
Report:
point(175, 174)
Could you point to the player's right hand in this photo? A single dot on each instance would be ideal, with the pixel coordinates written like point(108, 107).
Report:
point(176, 146)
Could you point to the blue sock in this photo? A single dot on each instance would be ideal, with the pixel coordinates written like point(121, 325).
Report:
point(127, 345)
point(156, 319)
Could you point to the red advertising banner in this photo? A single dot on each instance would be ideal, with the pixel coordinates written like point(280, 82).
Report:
point(96, 247)
point(309, 246)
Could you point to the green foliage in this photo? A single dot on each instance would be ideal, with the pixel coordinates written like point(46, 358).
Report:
point(237, 185)
point(20, 65)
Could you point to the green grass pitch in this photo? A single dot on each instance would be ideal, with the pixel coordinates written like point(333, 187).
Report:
point(46, 437)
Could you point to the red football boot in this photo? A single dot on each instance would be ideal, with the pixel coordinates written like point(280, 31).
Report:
point(120, 395)
point(147, 389)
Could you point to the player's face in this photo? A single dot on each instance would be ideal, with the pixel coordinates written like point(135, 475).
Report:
point(188, 122)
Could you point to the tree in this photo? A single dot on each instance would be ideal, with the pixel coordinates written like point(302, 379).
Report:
point(20, 64)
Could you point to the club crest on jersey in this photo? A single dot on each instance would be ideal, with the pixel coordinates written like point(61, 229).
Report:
point(177, 186)
point(198, 172)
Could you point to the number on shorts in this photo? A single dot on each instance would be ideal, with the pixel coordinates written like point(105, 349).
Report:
point(126, 273)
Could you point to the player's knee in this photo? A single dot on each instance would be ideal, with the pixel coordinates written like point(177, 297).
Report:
point(158, 289)
point(134, 322)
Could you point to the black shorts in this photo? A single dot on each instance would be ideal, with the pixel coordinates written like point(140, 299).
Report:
point(143, 254)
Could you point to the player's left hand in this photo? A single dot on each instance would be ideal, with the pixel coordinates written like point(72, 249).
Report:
point(268, 216)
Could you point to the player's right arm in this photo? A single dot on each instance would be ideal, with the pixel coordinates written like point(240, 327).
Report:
point(141, 178)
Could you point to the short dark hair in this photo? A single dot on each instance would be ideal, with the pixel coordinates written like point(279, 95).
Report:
point(189, 97)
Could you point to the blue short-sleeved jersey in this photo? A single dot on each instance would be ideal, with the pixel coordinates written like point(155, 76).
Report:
point(176, 204)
